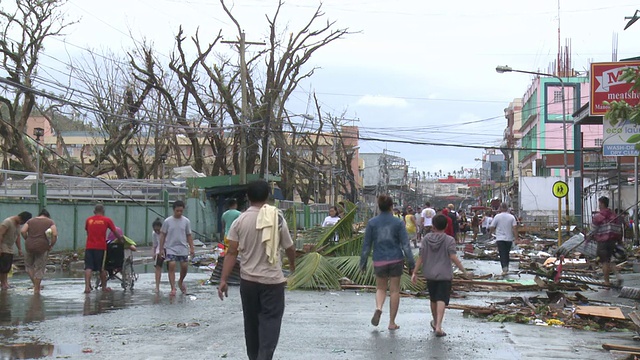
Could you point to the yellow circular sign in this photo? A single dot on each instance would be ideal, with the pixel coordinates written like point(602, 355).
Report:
point(560, 189)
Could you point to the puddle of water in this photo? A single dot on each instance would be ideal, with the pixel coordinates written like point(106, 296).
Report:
point(37, 350)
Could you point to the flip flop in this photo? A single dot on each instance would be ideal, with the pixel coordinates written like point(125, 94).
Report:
point(394, 327)
point(183, 288)
point(433, 325)
point(172, 293)
point(440, 333)
point(375, 320)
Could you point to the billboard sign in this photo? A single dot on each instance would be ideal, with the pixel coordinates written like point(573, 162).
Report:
point(606, 85)
point(620, 140)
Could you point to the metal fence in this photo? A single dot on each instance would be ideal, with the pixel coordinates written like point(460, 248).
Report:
point(21, 184)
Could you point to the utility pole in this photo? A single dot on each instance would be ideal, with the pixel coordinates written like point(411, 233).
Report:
point(242, 43)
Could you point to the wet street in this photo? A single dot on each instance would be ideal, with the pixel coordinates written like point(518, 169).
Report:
point(65, 323)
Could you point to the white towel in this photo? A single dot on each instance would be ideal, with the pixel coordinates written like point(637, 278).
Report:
point(268, 222)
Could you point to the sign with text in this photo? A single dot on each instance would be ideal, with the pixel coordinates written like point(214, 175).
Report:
point(620, 140)
point(606, 85)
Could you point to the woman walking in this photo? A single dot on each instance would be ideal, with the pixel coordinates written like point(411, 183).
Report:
point(387, 235)
point(38, 243)
point(411, 226)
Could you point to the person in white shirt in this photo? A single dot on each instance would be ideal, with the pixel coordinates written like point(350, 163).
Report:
point(486, 222)
point(427, 215)
point(331, 220)
point(505, 226)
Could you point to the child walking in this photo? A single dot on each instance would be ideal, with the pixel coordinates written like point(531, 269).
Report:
point(157, 225)
point(437, 253)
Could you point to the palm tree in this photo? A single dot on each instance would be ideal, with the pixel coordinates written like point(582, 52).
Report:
point(323, 268)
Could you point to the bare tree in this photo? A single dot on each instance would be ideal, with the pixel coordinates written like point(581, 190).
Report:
point(24, 32)
point(285, 61)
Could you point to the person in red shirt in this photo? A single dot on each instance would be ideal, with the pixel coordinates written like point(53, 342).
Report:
point(449, 229)
point(96, 248)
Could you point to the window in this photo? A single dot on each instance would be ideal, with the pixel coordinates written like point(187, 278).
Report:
point(557, 96)
point(598, 142)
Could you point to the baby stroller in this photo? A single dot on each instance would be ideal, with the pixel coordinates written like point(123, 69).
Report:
point(119, 264)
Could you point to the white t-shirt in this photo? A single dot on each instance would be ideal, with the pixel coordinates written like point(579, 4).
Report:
point(330, 221)
point(156, 241)
point(418, 218)
point(504, 224)
point(427, 216)
point(486, 221)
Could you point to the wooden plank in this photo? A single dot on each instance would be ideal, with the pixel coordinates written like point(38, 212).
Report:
point(621, 347)
point(601, 311)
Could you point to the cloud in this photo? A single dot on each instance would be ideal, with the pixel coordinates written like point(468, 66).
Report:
point(382, 101)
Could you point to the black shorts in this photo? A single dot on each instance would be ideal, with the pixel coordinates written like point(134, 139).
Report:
point(159, 261)
point(94, 259)
point(605, 250)
point(439, 290)
point(390, 270)
point(6, 259)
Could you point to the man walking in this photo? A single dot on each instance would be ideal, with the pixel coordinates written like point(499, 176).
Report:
point(95, 251)
point(607, 229)
point(427, 215)
point(177, 242)
point(10, 236)
point(505, 226)
point(258, 235)
point(228, 217)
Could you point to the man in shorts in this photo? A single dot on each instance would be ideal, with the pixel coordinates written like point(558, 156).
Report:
point(10, 236)
point(437, 252)
point(95, 251)
point(177, 242)
point(427, 214)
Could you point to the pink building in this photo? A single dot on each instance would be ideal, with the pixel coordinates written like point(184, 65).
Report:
point(543, 144)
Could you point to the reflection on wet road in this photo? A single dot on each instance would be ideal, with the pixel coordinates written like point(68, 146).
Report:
point(63, 296)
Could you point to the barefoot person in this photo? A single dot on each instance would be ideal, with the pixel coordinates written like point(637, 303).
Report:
point(258, 235)
point(38, 245)
point(437, 252)
point(177, 243)
point(607, 230)
point(10, 236)
point(155, 251)
point(388, 237)
point(96, 227)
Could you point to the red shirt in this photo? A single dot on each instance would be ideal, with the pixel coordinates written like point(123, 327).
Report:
point(449, 229)
point(96, 227)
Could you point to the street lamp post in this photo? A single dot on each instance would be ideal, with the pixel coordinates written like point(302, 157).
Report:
point(38, 133)
point(163, 160)
point(504, 69)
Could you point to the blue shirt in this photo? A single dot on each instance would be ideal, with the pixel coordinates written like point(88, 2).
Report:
point(387, 235)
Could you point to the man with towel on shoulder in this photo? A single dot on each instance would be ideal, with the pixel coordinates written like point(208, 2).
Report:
point(258, 234)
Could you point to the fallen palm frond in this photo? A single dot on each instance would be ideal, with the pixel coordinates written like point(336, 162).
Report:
point(343, 228)
point(349, 267)
point(350, 247)
point(315, 272)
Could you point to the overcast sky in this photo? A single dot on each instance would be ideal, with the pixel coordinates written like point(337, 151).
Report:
point(415, 70)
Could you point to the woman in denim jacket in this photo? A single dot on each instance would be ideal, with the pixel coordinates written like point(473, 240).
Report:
point(388, 237)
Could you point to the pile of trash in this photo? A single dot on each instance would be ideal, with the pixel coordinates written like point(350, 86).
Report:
point(557, 309)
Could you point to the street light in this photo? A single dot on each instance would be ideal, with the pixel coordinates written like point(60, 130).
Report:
point(504, 69)
point(163, 160)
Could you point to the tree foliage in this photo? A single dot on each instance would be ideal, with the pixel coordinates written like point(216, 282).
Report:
point(323, 268)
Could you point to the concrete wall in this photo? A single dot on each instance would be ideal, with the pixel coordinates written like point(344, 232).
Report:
point(536, 197)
